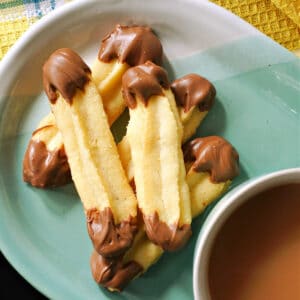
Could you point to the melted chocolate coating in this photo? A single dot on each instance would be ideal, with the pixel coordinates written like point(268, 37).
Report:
point(133, 45)
point(142, 82)
point(65, 72)
point(113, 273)
point(109, 239)
point(43, 168)
point(170, 238)
point(193, 90)
point(213, 154)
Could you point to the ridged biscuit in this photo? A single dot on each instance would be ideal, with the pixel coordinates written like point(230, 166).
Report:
point(154, 133)
point(107, 197)
point(211, 162)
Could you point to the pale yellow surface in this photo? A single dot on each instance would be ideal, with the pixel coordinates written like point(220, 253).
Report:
point(170, 96)
point(64, 120)
point(143, 251)
point(203, 191)
point(92, 154)
point(185, 207)
point(125, 156)
point(155, 143)
point(191, 121)
point(108, 78)
point(48, 133)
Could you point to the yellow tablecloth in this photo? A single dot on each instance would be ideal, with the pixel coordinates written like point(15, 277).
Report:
point(279, 19)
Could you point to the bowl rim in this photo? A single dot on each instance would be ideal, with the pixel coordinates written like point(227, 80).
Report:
point(222, 211)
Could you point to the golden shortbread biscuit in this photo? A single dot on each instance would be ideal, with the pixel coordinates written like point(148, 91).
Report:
point(107, 197)
point(194, 96)
point(212, 162)
point(154, 133)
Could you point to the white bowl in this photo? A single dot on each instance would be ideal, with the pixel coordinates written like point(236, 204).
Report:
point(221, 212)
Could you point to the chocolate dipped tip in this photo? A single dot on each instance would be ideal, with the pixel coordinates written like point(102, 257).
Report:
point(109, 239)
point(170, 238)
point(213, 154)
point(142, 82)
point(193, 90)
point(112, 273)
point(133, 45)
point(43, 168)
point(64, 71)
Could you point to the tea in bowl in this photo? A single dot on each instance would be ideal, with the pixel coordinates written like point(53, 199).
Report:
point(249, 246)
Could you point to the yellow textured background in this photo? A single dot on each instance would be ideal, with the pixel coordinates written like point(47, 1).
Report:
point(10, 31)
point(279, 19)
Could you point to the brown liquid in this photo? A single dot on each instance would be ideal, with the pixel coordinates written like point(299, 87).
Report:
point(256, 255)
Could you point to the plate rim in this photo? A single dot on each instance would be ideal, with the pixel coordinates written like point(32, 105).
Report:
point(12, 55)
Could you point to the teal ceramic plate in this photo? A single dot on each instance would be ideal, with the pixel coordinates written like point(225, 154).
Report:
point(43, 232)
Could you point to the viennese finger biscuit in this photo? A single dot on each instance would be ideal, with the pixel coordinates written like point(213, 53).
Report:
point(115, 274)
point(107, 197)
point(125, 46)
point(45, 162)
point(212, 162)
point(194, 96)
point(154, 133)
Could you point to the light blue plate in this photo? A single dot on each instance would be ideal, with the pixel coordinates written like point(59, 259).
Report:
point(43, 232)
